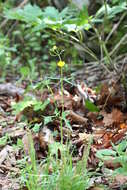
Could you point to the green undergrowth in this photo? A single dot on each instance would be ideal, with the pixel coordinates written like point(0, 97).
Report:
point(57, 171)
point(33, 30)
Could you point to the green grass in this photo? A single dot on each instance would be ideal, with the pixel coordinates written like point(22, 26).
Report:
point(54, 173)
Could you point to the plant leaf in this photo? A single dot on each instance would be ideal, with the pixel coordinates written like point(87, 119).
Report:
point(91, 107)
point(102, 154)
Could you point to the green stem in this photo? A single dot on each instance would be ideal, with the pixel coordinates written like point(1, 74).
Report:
point(106, 10)
point(61, 122)
point(102, 43)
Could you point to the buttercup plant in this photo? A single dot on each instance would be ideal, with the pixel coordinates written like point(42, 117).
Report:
point(56, 52)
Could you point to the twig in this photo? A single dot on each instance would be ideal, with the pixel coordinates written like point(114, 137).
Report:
point(105, 67)
point(22, 4)
point(11, 28)
point(122, 65)
point(118, 44)
point(115, 27)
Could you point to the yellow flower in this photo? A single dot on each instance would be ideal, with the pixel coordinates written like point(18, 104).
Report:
point(61, 63)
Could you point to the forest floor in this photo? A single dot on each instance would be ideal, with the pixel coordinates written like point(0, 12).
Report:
point(95, 118)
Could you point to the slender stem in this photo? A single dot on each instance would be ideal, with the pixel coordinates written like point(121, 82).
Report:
point(61, 83)
point(102, 43)
point(115, 27)
point(61, 122)
point(75, 40)
point(106, 10)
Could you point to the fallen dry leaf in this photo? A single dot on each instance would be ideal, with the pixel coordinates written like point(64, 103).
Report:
point(84, 137)
point(14, 132)
point(6, 183)
point(41, 140)
point(45, 137)
point(111, 163)
point(123, 126)
point(67, 98)
point(97, 188)
point(115, 117)
point(76, 117)
point(4, 153)
point(118, 181)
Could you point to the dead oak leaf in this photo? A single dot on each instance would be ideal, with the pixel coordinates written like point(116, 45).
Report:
point(123, 126)
point(67, 98)
point(115, 117)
